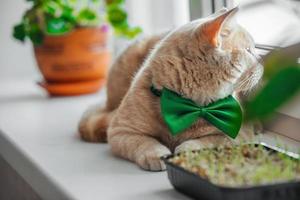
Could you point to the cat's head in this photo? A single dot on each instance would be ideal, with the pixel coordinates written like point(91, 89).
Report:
point(207, 59)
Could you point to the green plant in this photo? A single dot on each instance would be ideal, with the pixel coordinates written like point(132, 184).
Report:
point(282, 82)
point(58, 17)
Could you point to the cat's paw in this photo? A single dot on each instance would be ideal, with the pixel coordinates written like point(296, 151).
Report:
point(150, 159)
point(189, 145)
point(209, 141)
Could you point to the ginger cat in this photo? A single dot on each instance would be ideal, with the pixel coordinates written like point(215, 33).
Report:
point(204, 60)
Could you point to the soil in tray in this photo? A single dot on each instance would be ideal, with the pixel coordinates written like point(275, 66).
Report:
point(238, 166)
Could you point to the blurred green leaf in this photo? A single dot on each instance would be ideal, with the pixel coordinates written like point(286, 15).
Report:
point(282, 86)
point(129, 32)
point(275, 62)
point(133, 31)
point(58, 26)
point(117, 16)
point(88, 17)
point(19, 32)
point(68, 14)
point(53, 8)
point(109, 2)
point(35, 34)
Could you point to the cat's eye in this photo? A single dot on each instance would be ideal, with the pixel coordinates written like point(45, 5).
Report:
point(225, 33)
point(249, 50)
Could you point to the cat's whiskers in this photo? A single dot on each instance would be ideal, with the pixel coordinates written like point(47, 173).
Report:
point(250, 81)
point(245, 82)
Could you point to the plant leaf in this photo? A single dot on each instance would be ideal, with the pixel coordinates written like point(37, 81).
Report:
point(276, 61)
point(109, 2)
point(129, 32)
point(35, 34)
point(133, 32)
point(88, 17)
point(52, 8)
point(117, 16)
point(58, 26)
point(68, 14)
point(280, 88)
point(19, 32)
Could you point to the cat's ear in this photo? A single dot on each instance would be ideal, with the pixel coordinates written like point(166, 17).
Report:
point(211, 29)
point(221, 11)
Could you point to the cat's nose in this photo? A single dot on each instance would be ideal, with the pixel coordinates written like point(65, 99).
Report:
point(254, 55)
point(257, 56)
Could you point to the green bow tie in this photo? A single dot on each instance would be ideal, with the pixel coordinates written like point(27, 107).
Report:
point(180, 113)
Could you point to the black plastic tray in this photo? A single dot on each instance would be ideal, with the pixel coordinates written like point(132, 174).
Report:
point(199, 188)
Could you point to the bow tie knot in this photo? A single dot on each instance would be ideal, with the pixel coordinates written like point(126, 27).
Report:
point(180, 113)
point(202, 112)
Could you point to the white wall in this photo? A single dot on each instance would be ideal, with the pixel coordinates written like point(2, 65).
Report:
point(155, 16)
point(16, 59)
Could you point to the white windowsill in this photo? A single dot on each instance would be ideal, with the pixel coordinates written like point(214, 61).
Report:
point(38, 138)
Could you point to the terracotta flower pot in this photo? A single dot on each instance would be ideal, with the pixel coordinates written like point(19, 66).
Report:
point(75, 63)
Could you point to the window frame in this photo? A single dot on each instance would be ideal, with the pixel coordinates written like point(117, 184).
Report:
point(203, 8)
